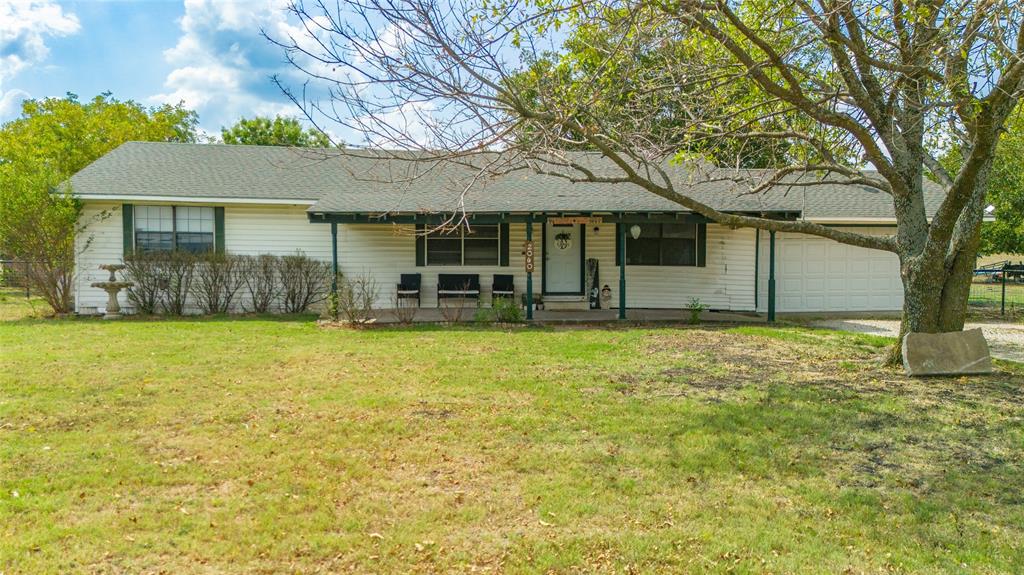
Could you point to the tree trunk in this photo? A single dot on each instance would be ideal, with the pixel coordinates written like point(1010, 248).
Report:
point(935, 293)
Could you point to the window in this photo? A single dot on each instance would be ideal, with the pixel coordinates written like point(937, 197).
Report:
point(479, 247)
point(662, 245)
point(167, 228)
point(193, 229)
point(154, 228)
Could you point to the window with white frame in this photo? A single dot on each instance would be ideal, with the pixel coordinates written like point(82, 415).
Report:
point(478, 247)
point(167, 228)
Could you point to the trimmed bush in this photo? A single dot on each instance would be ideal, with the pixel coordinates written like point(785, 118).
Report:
point(259, 276)
point(180, 268)
point(146, 271)
point(304, 282)
point(218, 277)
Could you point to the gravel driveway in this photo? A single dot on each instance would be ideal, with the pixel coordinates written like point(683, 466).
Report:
point(1005, 340)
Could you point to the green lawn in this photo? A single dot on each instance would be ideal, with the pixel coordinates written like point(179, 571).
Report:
point(275, 446)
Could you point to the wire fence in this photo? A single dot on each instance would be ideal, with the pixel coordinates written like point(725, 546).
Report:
point(998, 289)
point(15, 274)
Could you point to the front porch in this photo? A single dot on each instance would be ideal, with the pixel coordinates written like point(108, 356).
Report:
point(594, 316)
point(566, 260)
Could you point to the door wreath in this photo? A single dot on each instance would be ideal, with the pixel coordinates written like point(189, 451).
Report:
point(563, 240)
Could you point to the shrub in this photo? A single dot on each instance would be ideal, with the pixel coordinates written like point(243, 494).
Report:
point(453, 308)
point(304, 281)
point(405, 309)
point(259, 275)
point(483, 315)
point(355, 299)
point(695, 307)
point(38, 225)
point(216, 282)
point(146, 271)
point(506, 310)
point(179, 268)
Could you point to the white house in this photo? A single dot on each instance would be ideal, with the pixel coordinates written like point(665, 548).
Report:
point(258, 199)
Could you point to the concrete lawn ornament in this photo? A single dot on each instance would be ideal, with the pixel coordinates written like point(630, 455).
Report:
point(954, 353)
point(112, 286)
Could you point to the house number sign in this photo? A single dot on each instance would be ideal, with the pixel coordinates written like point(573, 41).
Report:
point(528, 256)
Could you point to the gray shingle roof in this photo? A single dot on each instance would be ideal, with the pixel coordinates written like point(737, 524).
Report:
point(361, 183)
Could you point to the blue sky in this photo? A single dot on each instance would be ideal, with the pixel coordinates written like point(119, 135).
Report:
point(207, 53)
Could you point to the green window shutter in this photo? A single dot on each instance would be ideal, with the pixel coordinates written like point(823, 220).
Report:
point(702, 245)
point(503, 246)
point(128, 228)
point(218, 229)
point(421, 246)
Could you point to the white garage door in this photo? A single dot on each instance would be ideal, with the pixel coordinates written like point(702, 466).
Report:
point(816, 274)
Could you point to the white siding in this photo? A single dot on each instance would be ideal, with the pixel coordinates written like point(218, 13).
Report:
point(726, 282)
point(815, 274)
point(379, 250)
point(97, 242)
point(248, 229)
point(384, 252)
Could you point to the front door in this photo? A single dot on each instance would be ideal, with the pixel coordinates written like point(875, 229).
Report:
point(563, 258)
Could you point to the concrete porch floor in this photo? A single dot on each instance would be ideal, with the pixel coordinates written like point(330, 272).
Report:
point(434, 315)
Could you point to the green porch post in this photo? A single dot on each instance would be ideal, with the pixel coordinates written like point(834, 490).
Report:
point(334, 258)
point(771, 276)
point(529, 275)
point(622, 271)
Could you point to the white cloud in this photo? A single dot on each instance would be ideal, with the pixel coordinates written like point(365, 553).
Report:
point(223, 64)
point(409, 125)
point(24, 27)
point(10, 102)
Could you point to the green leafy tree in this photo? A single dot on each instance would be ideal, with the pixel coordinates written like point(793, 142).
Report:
point(262, 131)
point(590, 62)
point(38, 230)
point(63, 135)
point(1006, 193)
point(51, 140)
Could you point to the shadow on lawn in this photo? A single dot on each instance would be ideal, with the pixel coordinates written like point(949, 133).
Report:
point(789, 409)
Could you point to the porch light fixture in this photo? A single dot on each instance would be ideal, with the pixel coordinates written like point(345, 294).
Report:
point(634, 231)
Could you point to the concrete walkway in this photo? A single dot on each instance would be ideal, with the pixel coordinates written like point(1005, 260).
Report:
point(1005, 340)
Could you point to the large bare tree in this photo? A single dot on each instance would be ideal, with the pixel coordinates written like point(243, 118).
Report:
point(859, 92)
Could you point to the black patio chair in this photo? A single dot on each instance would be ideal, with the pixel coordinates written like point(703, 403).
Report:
point(503, 286)
point(409, 287)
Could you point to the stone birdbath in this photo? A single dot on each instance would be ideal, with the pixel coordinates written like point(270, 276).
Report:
point(112, 287)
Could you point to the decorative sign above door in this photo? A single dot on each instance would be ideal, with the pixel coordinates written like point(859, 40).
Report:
point(585, 220)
